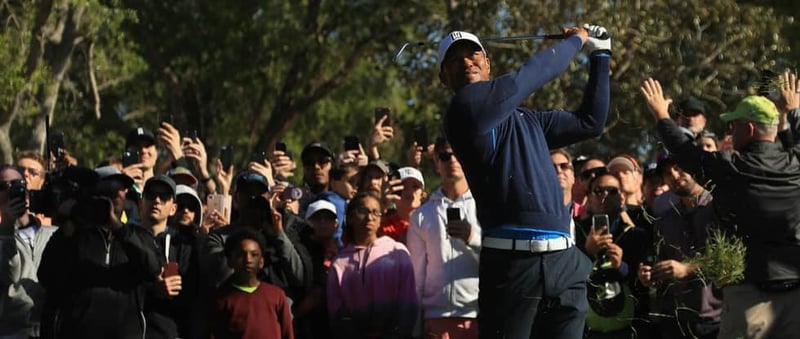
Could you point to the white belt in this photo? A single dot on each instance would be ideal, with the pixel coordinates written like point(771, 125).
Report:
point(534, 246)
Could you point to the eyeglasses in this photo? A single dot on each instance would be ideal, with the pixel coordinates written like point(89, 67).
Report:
point(32, 171)
point(591, 173)
point(313, 161)
point(446, 156)
point(564, 166)
point(365, 212)
point(599, 190)
point(152, 195)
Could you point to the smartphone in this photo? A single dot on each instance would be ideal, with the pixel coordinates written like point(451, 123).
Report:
point(380, 112)
point(258, 157)
point(600, 220)
point(281, 147)
point(226, 157)
point(169, 118)
point(220, 203)
point(421, 136)
point(171, 269)
point(453, 214)
point(56, 144)
point(16, 189)
point(192, 135)
point(351, 143)
point(130, 158)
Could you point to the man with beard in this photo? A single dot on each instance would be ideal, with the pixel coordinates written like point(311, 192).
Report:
point(189, 215)
point(692, 115)
point(617, 248)
point(681, 233)
point(317, 160)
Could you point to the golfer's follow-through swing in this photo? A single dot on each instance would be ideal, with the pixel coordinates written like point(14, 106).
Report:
point(532, 278)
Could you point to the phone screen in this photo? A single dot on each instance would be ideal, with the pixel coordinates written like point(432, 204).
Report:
point(130, 158)
point(421, 135)
point(453, 214)
point(351, 143)
point(600, 220)
point(226, 157)
point(380, 112)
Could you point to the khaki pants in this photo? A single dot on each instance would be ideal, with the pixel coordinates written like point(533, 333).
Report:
point(751, 313)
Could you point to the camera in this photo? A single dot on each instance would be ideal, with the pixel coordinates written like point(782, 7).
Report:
point(291, 193)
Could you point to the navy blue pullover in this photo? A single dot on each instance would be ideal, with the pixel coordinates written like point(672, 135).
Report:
point(505, 149)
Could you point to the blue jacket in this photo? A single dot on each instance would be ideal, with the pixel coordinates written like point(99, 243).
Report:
point(505, 149)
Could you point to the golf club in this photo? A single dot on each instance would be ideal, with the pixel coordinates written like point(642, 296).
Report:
point(497, 38)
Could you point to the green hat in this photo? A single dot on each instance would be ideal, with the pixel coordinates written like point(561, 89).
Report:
point(754, 108)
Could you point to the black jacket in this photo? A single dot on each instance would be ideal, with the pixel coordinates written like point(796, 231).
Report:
point(177, 316)
point(96, 280)
point(756, 194)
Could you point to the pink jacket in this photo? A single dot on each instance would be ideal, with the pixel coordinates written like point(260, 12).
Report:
point(371, 291)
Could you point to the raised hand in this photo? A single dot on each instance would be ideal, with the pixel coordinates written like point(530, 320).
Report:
point(654, 97)
point(790, 92)
point(171, 138)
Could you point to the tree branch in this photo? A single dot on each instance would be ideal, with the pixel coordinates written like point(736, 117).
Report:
point(93, 79)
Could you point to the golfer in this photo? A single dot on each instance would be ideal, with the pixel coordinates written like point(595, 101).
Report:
point(532, 278)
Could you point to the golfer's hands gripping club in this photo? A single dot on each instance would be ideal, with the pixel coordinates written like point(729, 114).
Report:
point(599, 41)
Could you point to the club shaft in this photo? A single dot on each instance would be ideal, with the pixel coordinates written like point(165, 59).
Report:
point(525, 37)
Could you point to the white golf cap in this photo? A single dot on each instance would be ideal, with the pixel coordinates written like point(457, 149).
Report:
point(453, 37)
point(320, 205)
point(411, 173)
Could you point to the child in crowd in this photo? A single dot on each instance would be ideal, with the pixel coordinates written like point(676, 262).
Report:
point(245, 306)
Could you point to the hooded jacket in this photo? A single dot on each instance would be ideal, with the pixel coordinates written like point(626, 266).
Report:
point(198, 213)
point(445, 268)
point(371, 291)
point(23, 296)
point(97, 280)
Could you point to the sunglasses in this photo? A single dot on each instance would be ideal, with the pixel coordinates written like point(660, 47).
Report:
point(600, 190)
point(163, 196)
point(564, 166)
point(445, 156)
point(591, 173)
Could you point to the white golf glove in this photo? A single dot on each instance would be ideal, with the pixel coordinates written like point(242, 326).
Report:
point(599, 40)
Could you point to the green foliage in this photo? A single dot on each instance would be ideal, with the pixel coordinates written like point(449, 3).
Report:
point(250, 73)
point(722, 261)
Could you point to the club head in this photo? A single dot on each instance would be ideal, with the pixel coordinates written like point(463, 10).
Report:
point(404, 46)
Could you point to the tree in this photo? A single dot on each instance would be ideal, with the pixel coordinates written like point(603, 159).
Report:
point(42, 37)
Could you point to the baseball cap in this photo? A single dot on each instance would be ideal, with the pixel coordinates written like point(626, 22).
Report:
point(112, 173)
point(320, 205)
point(411, 173)
point(251, 177)
point(183, 175)
point(161, 180)
point(379, 164)
point(624, 160)
point(754, 108)
point(318, 146)
point(454, 37)
point(692, 105)
point(139, 133)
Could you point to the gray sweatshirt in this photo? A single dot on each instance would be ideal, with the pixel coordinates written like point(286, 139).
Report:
point(23, 296)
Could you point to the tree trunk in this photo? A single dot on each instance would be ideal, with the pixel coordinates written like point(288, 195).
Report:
point(6, 150)
point(58, 62)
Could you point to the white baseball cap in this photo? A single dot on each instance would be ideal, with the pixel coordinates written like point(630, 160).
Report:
point(411, 173)
point(320, 205)
point(453, 37)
